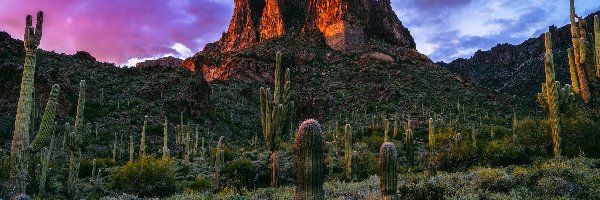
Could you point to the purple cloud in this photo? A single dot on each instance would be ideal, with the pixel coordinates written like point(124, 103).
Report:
point(115, 30)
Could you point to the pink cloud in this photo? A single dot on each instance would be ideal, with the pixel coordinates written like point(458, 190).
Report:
point(117, 30)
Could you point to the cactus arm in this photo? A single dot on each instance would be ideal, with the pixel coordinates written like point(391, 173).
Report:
point(47, 126)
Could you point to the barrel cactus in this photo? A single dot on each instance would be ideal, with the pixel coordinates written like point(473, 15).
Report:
point(388, 159)
point(310, 163)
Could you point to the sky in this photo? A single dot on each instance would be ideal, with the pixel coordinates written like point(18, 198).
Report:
point(129, 31)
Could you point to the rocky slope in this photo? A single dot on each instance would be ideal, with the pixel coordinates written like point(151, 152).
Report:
point(168, 61)
point(519, 69)
point(118, 98)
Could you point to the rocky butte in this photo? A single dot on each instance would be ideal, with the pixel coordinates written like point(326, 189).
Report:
point(341, 25)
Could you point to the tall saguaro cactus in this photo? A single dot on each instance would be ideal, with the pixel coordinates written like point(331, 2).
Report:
point(597, 44)
point(387, 164)
point(348, 151)
point(219, 161)
point(142, 153)
point(409, 144)
point(354, 166)
point(18, 173)
point(310, 161)
point(74, 141)
point(431, 139)
point(577, 55)
point(553, 97)
point(165, 146)
point(275, 113)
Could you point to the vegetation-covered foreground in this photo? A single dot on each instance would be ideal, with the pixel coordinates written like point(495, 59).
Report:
point(157, 135)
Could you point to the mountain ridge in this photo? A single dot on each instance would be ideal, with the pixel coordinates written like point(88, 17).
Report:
point(519, 69)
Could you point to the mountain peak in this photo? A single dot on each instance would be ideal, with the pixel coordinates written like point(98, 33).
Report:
point(344, 24)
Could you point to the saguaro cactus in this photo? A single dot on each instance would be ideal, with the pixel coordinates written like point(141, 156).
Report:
point(130, 149)
point(348, 150)
point(18, 173)
point(387, 164)
point(573, 71)
point(75, 143)
point(46, 155)
point(354, 166)
point(552, 96)
point(275, 113)
point(219, 161)
point(114, 150)
point(431, 139)
point(597, 44)
point(577, 55)
point(142, 153)
point(165, 148)
point(330, 160)
point(409, 144)
point(309, 161)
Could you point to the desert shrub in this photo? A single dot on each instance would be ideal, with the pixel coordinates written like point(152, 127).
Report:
point(148, 177)
point(460, 156)
point(532, 137)
point(580, 134)
point(240, 173)
point(503, 152)
point(200, 184)
point(496, 180)
point(554, 186)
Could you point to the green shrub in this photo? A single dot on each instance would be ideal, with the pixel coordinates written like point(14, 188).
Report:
point(147, 177)
point(200, 184)
point(503, 152)
point(240, 173)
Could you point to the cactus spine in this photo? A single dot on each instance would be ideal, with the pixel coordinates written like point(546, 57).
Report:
point(387, 165)
point(19, 160)
point(348, 150)
point(142, 153)
point(219, 161)
point(309, 161)
point(274, 114)
point(165, 148)
point(553, 96)
point(577, 55)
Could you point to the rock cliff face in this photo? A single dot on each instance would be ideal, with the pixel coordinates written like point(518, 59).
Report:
point(244, 27)
point(309, 31)
point(344, 24)
point(271, 22)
